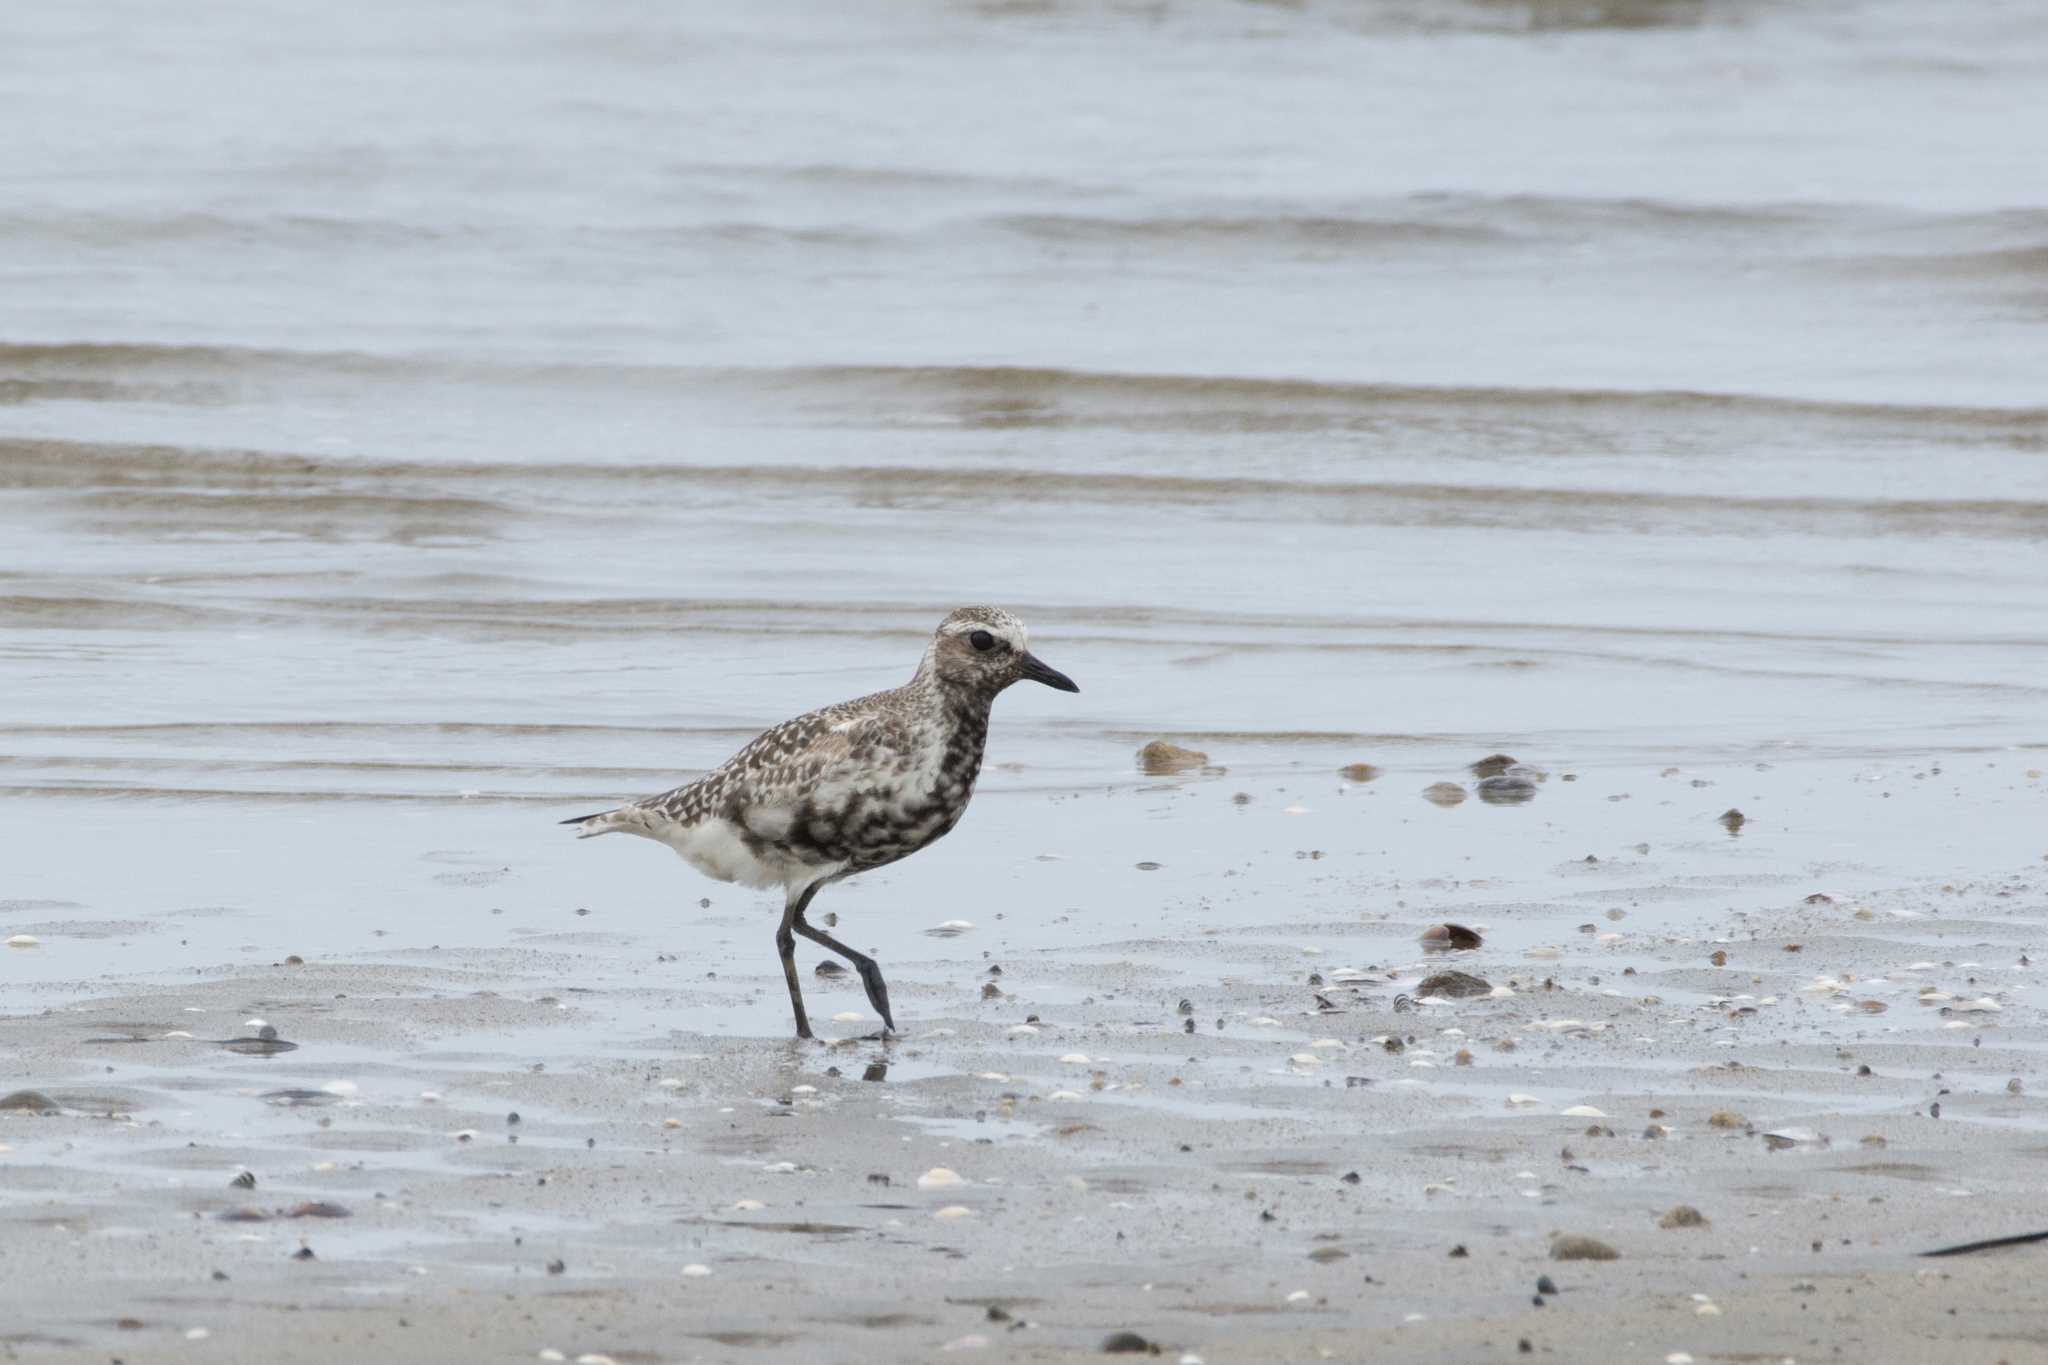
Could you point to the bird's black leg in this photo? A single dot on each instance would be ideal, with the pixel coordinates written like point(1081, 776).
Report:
point(870, 974)
point(785, 944)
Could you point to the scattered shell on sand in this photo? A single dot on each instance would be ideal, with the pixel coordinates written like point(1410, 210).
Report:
point(1126, 1343)
point(939, 1178)
point(1733, 820)
point(30, 1101)
point(1453, 986)
point(1162, 758)
point(1443, 794)
point(748, 1205)
point(1493, 765)
point(695, 1270)
point(1584, 1111)
point(1571, 1247)
point(952, 928)
point(1075, 1059)
point(1358, 772)
point(1726, 1118)
point(848, 1017)
point(954, 1211)
point(1682, 1216)
point(1442, 938)
point(1521, 1101)
point(23, 941)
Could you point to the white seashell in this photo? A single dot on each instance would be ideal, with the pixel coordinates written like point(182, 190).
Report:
point(430, 1097)
point(177, 1033)
point(670, 1083)
point(1075, 1059)
point(1500, 993)
point(1326, 1043)
point(695, 1270)
point(671, 1123)
point(340, 1087)
point(28, 941)
point(748, 1205)
point(1584, 1111)
point(954, 1211)
point(1518, 1100)
point(991, 1076)
point(593, 1358)
point(973, 1341)
point(803, 1090)
point(957, 925)
point(1064, 1095)
point(1294, 810)
point(1265, 1021)
point(848, 1017)
point(1023, 1030)
point(1708, 1310)
point(780, 1168)
point(1298, 1296)
point(197, 1334)
point(1306, 1059)
point(550, 1353)
point(939, 1178)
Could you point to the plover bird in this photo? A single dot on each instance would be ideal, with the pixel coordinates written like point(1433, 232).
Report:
point(846, 789)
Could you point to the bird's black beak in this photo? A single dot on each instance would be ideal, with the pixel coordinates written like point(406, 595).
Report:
point(1038, 670)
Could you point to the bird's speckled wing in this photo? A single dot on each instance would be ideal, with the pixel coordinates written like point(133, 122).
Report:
point(809, 787)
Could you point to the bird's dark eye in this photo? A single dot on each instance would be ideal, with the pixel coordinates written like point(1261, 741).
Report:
point(982, 640)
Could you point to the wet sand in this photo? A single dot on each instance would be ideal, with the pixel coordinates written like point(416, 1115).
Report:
point(1115, 1173)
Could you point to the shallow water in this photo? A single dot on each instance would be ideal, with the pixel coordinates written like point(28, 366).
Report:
point(416, 425)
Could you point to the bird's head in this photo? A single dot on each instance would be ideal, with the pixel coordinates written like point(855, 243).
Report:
point(985, 649)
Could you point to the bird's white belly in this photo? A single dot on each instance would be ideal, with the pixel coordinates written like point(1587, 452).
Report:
point(715, 847)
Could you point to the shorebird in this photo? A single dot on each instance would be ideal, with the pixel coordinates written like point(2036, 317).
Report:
point(845, 789)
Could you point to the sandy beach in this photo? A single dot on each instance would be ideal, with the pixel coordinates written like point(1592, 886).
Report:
point(1325, 1167)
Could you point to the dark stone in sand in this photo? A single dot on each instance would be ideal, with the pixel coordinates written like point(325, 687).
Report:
point(1454, 985)
point(991, 991)
point(1161, 758)
point(259, 1046)
point(29, 1102)
point(1545, 1285)
point(1507, 790)
point(1682, 1216)
point(1733, 820)
point(997, 1314)
point(1458, 1252)
point(303, 1254)
point(876, 1071)
point(1127, 1343)
point(1448, 938)
point(1325, 1255)
point(1493, 765)
point(1570, 1247)
point(828, 968)
point(1358, 772)
point(557, 1267)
